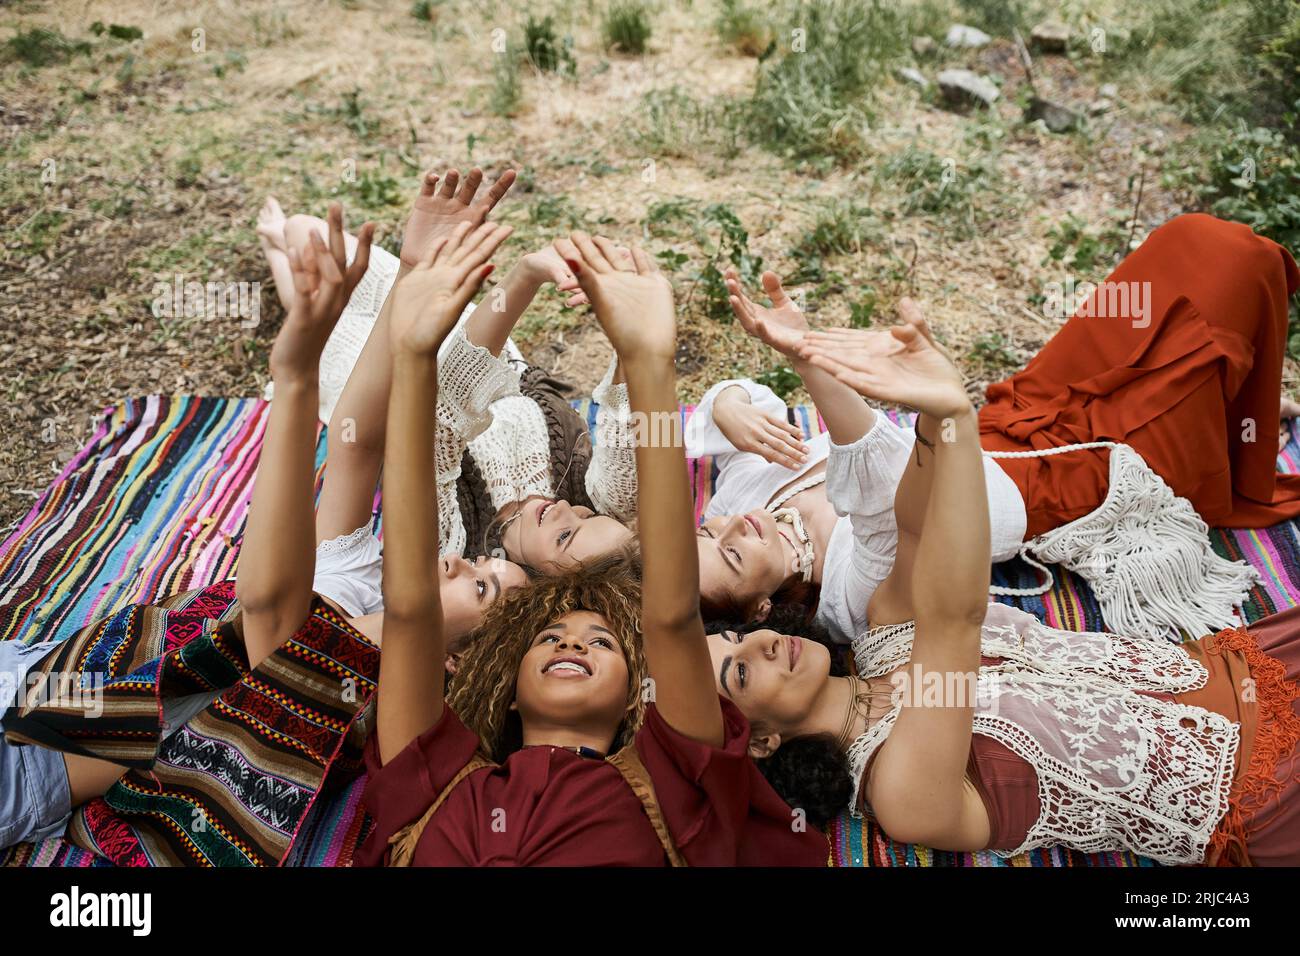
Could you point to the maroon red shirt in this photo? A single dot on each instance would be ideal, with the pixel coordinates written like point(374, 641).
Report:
point(547, 806)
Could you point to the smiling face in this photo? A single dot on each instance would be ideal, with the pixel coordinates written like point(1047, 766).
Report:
point(469, 588)
point(554, 536)
point(574, 677)
point(744, 560)
point(773, 678)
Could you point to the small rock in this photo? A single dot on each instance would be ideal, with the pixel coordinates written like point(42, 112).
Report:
point(968, 38)
point(961, 87)
point(1057, 118)
point(914, 76)
point(923, 46)
point(1108, 91)
point(1099, 106)
point(1050, 36)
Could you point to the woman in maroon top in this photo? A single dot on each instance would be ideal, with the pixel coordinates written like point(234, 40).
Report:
point(514, 769)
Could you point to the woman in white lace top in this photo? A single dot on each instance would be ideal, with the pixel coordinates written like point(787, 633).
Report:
point(971, 726)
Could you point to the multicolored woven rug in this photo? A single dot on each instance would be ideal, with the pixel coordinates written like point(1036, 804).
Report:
point(155, 502)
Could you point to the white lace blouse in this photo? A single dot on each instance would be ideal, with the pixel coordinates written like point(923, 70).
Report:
point(861, 479)
point(1117, 769)
point(480, 408)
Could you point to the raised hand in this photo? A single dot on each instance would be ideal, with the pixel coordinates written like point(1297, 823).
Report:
point(428, 300)
point(632, 299)
point(780, 325)
point(749, 429)
point(323, 282)
point(437, 211)
point(545, 265)
point(897, 365)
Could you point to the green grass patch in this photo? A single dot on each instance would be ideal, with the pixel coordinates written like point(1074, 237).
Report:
point(626, 26)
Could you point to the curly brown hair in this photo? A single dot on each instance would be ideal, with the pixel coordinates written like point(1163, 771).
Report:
point(484, 686)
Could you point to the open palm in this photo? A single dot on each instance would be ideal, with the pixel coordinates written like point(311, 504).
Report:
point(780, 325)
point(323, 282)
point(437, 211)
point(429, 299)
point(632, 299)
point(900, 365)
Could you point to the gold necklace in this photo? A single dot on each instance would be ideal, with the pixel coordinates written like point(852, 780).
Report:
point(856, 699)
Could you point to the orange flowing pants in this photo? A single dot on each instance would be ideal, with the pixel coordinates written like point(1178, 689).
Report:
point(1189, 375)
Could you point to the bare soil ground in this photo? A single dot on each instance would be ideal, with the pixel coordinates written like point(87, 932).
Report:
point(139, 161)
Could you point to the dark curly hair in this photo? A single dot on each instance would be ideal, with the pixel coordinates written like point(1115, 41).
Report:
point(809, 773)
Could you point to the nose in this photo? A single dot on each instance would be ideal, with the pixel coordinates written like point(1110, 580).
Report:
point(737, 525)
point(455, 565)
point(573, 643)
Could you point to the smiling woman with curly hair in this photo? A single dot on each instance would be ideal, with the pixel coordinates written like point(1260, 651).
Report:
point(483, 693)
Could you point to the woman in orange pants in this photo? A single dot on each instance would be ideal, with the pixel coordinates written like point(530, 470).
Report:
point(1149, 414)
point(1190, 378)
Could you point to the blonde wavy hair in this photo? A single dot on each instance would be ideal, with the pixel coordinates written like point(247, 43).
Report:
point(484, 686)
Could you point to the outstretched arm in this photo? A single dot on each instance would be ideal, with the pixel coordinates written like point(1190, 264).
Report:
point(634, 304)
point(841, 352)
point(356, 440)
point(782, 326)
point(426, 305)
point(918, 788)
point(494, 318)
point(277, 555)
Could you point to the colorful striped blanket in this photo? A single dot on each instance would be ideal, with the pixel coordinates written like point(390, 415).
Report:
point(155, 503)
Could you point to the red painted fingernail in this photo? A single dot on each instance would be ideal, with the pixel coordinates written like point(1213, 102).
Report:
point(572, 265)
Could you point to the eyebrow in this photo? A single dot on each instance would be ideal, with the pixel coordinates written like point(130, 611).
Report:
point(597, 627)
point(496, 586)
point(722, 676)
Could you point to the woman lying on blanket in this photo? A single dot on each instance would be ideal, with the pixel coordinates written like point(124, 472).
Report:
point(561, 743)
point(1184, 368)
point(972, 726)
point(200, 646)
point(527, 486)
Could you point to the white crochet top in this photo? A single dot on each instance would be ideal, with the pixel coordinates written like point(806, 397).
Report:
point(480, 408)
point(1117, 769)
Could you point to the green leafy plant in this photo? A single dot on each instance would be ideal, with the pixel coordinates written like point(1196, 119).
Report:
point(730, 247)
point(626, 26)
point(813, 98)
point(747, 29)
point(781, 379)
point(39, 47)
point(116, 31)
point(994, 353)
point(1089, 251)
point(544, 49)
point(426, 10)
point(507, 88)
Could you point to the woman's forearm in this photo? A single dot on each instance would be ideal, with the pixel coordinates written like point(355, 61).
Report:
point(675, 648)
point(847, 416)
point(277, 554)
point(411, 675)
point(950, 579)
point(355, 439)
point(494, 318)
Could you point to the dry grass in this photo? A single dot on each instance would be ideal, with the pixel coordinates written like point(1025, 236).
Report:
point(163, 155)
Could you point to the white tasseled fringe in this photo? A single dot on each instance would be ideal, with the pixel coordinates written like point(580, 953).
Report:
point(1146, 554)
